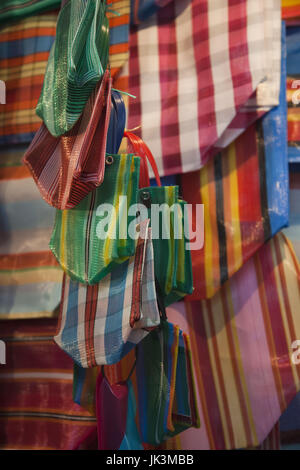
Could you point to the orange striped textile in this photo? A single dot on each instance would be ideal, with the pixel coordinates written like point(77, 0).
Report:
point(242, 349)
point(290, 8)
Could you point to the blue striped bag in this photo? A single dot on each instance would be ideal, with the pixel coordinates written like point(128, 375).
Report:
point(100, 324)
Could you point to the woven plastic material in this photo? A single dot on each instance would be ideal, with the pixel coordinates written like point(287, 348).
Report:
point(100, 324)
point(24, 51)
point(11, 10)
point(67, 168)
point(87, 240)
point(172, 262)
point(244, 191)
point(116, 123)
point(184, 412)
point(173, 265)
point(77, 61)
point(166, 396)
point(84, 386)
point(116, 413)
point(31, 278)
point(184, 275)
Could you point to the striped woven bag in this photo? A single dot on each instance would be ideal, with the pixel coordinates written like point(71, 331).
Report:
point(87, 240)
point(244, 190)
point(172, 261)
point(77, 61)
point(12, 10)
point(67, 168)
point(100, 324)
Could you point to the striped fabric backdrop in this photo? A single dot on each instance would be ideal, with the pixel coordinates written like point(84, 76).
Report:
point(241, 349)
point(36, 407)
point(293, 120)
point(30, 278)
point(143, 9)
point(119, 35)
point(67, 168)
point(185, 70)
point(24, 51)
point(77, 239)
point(245, 195)
point(241, 345)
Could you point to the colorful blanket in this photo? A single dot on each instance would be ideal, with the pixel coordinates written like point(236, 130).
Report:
point(198, 80)
point(36, 407)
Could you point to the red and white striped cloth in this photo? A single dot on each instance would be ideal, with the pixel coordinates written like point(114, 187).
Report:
point(202, 71)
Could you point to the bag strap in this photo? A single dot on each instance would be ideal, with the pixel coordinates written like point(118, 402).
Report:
point(142, 150)
point(116, 123)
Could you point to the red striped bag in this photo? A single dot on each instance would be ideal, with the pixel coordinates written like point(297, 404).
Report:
point(67, 168)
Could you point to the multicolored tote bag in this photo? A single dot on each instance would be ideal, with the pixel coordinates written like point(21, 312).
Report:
point(91, 239)
point(100, 324)
point(77, 61)
point(244, 191)
point(67, 168)
point(172, 259)
point(30, 277)
point(166, 391)
point(25, 49)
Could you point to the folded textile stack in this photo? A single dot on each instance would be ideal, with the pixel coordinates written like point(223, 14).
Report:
point(144, 187)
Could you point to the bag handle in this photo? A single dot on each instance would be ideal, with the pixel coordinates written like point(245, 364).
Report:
point(116, 123)
point(142, 150)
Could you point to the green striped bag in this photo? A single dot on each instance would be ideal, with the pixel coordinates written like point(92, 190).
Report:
point(90, 239)
point(183, 284)
point(77, 61)
point(172, 261)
